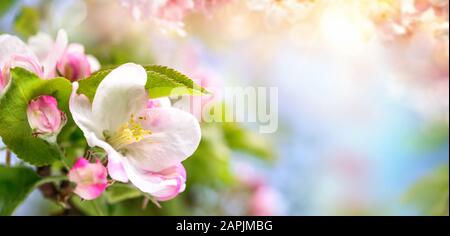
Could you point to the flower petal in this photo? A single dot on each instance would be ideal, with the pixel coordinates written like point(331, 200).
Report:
point(49, 63)
point(120, 94)
point(93, 63)
point(90, 192)
point(15, 53)
point(90, 178)
point(147, 181)
point(81, 110)
point(175, 136)
point(159, 102)
point(12, 45)
point(41, 44)
point(115, 165)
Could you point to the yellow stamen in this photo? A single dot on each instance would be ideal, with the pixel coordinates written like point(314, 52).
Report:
point(128, 133)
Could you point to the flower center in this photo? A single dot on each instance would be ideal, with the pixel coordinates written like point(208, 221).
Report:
point(128, 133)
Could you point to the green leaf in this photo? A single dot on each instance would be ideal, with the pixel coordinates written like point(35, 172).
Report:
point(161, 82)
point(430, 137)
point(96, 207)
point(247, 141)
point(120, 192)
point(210, 164)
point(175, 77)
point(430, 193)
point(15, 185)
point(14, 127)
point(27, 21)
point(5, 5)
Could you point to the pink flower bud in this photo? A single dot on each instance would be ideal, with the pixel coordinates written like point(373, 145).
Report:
point(44, 117)
point(74, 63)
point(172, 181)
point(90, 178)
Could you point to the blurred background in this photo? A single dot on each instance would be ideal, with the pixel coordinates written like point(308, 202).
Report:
point(363, 103)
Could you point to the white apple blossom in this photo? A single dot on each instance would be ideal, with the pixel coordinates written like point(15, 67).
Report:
point(141, 140)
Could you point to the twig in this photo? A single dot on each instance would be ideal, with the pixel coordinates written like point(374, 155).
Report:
point(8, 158)
point(145, 202)
point(51, 179)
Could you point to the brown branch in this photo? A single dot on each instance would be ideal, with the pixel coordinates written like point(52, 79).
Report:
point(8, 158)
point(59, 194)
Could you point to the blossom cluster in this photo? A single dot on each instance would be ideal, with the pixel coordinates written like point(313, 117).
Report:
point(46, 57)
point(169, 14)
point(145, 139)
point(278, 11)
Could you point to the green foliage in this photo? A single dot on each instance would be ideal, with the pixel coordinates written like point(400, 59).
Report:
point(244, 140)
point(15, 185)
point(96, 207)
point(27, 21)
point(431, 137)
point(136, 207)
point(5, 5)
point(170, 78)
point(431, 194)
point(239, 138)
point(161, 82)
point(119, 192)
point(14, 127)
point(210, 164)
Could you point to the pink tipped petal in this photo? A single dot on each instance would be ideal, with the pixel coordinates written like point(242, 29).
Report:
point(3, 81)
point(175, 136)
point(177, 173)
point(90, 192)
point(144, 180)
point(163, 185)
point(12, 45)
point(81, 163)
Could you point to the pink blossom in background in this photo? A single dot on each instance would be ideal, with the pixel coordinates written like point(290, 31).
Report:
point(48, 51)
point(44, 117)
point(207, 6)
point(173, 10)
point(264, 201)
point(75, 65)
point(169, 15)
point(42, 55)
point(15, 53)
point(90, 178)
